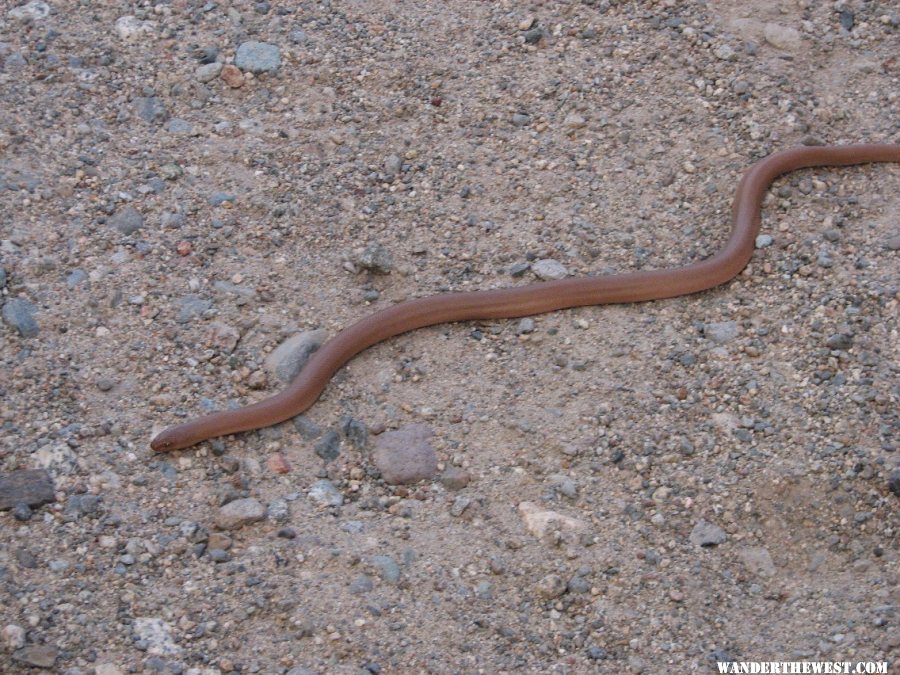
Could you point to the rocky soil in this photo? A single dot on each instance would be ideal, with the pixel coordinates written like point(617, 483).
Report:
point(185, 185)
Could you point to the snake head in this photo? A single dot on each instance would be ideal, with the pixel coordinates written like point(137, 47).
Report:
point(164, 441)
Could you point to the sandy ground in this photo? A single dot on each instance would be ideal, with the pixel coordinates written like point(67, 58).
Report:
point(719, 466)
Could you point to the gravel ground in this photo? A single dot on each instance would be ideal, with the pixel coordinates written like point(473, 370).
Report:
point(640, 488)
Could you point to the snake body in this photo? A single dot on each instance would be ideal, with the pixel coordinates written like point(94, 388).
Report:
point(532, 299)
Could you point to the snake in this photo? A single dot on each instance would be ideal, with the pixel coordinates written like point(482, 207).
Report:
point(530, 299)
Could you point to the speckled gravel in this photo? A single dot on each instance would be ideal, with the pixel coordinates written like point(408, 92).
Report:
point(186, 187)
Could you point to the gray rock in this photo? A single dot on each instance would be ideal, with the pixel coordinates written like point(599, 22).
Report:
point(361, 585)
point(208, 71)
point(74, 278)
point(355, 432)
point(14, 62)
point(375, 258)
point(279, 510)
point(757, 560)
point(288, 359)
point(151, 109)
point(19, 314)
point(127, 220)
point(764, 240)
point(308, 429)
point(392, 165)
point(387, 567)
point(550, 587)
point(519, 269)
point(894, 482)
point(721, 332)
point(526, 326)
point(258, 57)
point(40, 656)
point(2, 278)
point(234, 515)
point(548, 269)
point(405, 456)
point(455, 478)
point(533, 36)
point(329, 446)
point(156, 634)
point(179, 126)
point(31, 11)
point(220, 198)
point(32, 487)
point(841, 341)
point(82, 505)
point(191, 306)
point(22, 512)
point(706, 534)
point(298, 37)
point(172, 221)
point(324, 493)
point(782, 37)
point(521, 119)
point(891, 244)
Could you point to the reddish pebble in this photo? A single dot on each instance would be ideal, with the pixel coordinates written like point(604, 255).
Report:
point(682, 393)
point(232, 76)
point(278, 463)
point(436, 101)
point(183, 247)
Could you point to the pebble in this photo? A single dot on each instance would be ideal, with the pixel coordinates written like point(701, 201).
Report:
point(387, 568)
point(191, 306)
point(31, 11)
point(130, 27)
point(324, 493)
point(894, 482)
point(288, 358)
point(279, 511)
point(18, 313)
point(2, 278)
point(539, 522)
point(22, 512)
point(278, 463)
point(782, 37)
point(151, 109)
point(298, 37)
point(525, 326)
point(548, 269)
point(308, 429)
point(156, 636)
point(724, 53)
point(533, 36)
point(460, 504)
point(13, 637)
point(329, 446)
point(40, 656)
point(220, 198)
point(757, 560)
point(720, 332)
point(891, 244)
point(455, 478)
point(574, 121)
point(764, 240)
point(232, 76)
point(392, 165)
point(127, 221)
point(361, 585)
point(179, 126)
point(519, 269)
point(258, 57)
point(355, 432)
point(839, 341)
point(240, 512)
point(375, 258)
point(707, 534)
point(521, 119)
point(29, 487)
point(75, 278)
point(405, 456)
point(208, 71)
point(550, 587)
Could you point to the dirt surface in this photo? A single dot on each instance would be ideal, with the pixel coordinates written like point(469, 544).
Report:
point(720, 465)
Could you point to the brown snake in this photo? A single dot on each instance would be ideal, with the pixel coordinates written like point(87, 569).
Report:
point(531, 299)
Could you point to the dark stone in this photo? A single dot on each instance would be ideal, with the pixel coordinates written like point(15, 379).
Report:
point(32, 487)
point(329, 447)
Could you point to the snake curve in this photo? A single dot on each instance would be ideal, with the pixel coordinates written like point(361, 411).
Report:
point(531, 299)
